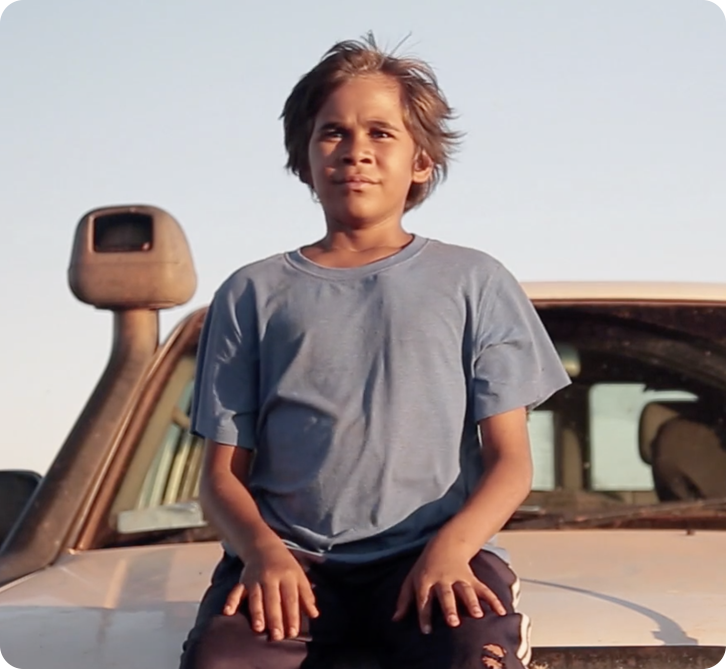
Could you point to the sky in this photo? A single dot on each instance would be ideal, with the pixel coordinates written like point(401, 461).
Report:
point(595, 148)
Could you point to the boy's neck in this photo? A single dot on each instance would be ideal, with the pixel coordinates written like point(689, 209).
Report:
point(353, 247)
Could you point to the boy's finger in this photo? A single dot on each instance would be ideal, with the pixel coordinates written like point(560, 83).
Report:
point(465, 592)
point(307, 599)
point(257, 608)
point(273, 612)
point(483, 592)
point(234, 599)
point(423, 602)
point(405, 597)
point(447, 599)
point(290, 608)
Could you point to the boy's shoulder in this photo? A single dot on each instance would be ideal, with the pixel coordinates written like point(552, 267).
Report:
point(478, 271)
point(464, 254)
point(470, 263)
point(263, 270)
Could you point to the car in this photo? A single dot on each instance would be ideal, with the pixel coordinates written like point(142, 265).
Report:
point(620, 546)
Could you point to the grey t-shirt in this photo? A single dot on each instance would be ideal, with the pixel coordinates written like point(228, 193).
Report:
point(360, 389)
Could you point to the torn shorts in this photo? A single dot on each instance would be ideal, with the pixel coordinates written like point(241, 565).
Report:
point(356, 605)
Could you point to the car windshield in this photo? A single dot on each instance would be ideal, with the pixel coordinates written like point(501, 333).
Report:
point(637, 440)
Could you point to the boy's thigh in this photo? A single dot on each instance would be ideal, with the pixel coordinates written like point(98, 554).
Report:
point(494, 641)
point(224, 642)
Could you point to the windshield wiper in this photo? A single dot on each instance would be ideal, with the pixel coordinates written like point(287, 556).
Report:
point(711, 508)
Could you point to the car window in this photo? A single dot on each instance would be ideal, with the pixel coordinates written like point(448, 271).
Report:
point(542, 441)
point(615, 412)
point(161, 488)
point(643, 421)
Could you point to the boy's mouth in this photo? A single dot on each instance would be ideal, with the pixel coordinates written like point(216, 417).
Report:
point(354, 179)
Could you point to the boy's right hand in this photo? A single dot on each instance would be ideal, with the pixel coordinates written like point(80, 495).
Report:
point(277, 590)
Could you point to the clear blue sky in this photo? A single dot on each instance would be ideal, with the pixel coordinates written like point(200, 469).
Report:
point(595, 149)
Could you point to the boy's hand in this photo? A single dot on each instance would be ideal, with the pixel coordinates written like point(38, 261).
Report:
point(277, 589)
point(444, 573)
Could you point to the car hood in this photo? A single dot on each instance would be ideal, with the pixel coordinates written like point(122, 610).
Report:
point(132, 607)
point(622, 587)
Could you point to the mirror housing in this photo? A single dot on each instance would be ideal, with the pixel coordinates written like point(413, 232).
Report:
point(16, 489)
point(131, 257)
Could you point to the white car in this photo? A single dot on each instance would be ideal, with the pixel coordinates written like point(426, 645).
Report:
point(620, 546)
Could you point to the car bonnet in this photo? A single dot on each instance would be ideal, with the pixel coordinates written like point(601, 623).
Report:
point(132, 607)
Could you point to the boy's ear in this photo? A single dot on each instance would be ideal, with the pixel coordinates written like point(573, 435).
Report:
point(423, 167)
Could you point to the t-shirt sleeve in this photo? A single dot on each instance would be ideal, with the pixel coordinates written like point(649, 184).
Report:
point(515, 362)
point(226, 388)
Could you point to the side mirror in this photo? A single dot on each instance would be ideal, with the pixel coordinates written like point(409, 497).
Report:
point(16, 489)
point(131, 257)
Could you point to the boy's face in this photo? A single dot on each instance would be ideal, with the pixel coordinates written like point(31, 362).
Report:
point(362, 158)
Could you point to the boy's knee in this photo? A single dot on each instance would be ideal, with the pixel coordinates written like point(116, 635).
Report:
point(228, 642)
point(494, 642)
point(491, 655)
point(494, 656)
point(218, 645)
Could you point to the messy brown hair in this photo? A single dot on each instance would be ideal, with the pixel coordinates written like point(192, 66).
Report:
point(426, 112)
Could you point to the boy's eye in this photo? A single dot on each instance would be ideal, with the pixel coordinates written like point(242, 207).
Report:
point(380, 133)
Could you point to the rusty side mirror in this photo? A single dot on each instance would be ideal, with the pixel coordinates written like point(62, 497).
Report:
point(131, 257)
point(16, 489)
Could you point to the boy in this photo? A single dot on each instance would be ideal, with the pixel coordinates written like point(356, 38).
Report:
point(340, 390)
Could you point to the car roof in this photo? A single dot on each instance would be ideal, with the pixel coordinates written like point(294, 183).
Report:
point(625, 291)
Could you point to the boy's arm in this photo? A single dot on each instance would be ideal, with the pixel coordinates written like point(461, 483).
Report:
point(272, 579)
point(505, 485)
point(227, 502)
point(443, 569)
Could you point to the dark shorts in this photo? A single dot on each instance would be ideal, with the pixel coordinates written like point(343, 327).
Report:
point(356, 604)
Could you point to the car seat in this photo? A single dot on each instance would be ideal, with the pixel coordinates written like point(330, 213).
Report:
point(689, 461)
point(685, 450)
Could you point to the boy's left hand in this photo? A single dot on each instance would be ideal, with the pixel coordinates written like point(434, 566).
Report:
point(444, 573)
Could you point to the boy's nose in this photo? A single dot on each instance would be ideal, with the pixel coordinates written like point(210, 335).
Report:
point(357, 150)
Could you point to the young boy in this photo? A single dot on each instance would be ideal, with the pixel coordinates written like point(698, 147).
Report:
point(341, 389)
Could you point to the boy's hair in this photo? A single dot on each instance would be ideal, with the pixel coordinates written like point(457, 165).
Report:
point(426, 112)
